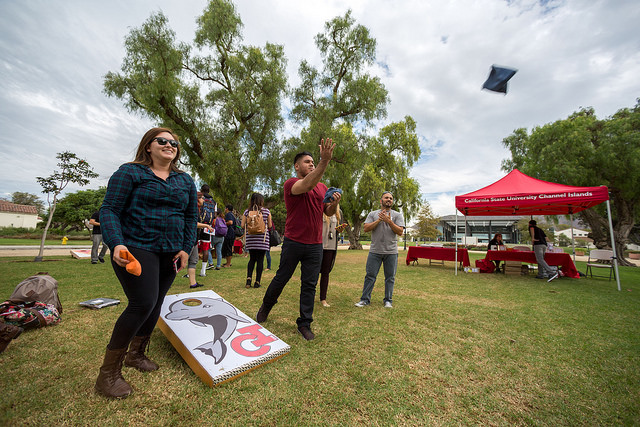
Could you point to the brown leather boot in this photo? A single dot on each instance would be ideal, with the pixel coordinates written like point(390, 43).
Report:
point(110, 381)
point(7, 333)
point(136, 357)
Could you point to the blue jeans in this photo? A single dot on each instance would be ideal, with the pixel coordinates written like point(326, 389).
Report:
point(96, 239)
point(269, 259)
point(216, 242)
point(309, 256)
point(390, 262)
point(544, 270)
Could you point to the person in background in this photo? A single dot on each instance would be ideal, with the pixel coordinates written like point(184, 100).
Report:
point(539, 241)
point(149, 210)
point(227, 245)
point(329, 251)
point(302, 244)
point(385, 226)
point(256, 244)
point(217, 240)
point(497, 242)
point(96, 239)
point(208, 199)
point(201, 248)
point(268, 257)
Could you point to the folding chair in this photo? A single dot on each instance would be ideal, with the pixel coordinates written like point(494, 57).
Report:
point(600, 258)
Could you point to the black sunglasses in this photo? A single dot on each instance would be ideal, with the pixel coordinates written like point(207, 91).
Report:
point(163, 141)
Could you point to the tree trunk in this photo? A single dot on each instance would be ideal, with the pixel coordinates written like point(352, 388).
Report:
point(44, 232)
point(599, 228)
point(354, 235)
point(621, 229)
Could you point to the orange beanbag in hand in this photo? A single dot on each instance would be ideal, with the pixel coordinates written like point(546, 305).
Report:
point(134, 266)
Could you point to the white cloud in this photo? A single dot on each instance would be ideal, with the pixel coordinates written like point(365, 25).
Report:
point(432, 56)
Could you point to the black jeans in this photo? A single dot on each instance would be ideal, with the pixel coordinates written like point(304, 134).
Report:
point(145, 294)
point(310, 257)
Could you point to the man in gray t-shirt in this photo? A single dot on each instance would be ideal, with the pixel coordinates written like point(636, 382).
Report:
point(385, 226)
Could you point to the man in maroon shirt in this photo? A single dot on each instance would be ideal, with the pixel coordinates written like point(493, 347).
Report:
point(302, 243)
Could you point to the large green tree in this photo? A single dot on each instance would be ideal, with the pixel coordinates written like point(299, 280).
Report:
point(75, 208)
point(586, 151)
point(342, 101)
point(426, 223)
point(222, 97)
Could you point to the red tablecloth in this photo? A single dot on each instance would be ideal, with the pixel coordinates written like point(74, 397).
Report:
point(444, 254)
point(553, 258)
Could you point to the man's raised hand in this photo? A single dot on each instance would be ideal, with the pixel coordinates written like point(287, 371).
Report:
point(326, 149)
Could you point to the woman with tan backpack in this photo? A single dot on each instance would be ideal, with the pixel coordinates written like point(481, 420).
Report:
point(256, 221)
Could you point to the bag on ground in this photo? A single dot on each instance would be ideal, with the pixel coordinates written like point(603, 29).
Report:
point(255, 222)
point(41, 287)
point(485, 266)
point(29, 315)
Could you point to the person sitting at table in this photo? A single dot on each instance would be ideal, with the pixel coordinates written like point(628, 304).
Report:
point(497, 242)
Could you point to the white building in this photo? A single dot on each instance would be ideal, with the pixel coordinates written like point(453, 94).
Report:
point(12, 215)
point(576, 233)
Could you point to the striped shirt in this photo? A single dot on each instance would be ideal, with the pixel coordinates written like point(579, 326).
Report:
point(143, 211)
point(258, 241)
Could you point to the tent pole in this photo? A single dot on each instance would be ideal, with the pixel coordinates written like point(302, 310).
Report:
point(573, 244)
point(613, 246)
point(456, 239)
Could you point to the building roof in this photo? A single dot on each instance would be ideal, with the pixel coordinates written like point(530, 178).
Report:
point(14, 208)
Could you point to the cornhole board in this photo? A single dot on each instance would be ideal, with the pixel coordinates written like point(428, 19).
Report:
point(80, 253)
point(217, 340)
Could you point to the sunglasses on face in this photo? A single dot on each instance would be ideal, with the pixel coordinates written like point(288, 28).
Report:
point(163, 141)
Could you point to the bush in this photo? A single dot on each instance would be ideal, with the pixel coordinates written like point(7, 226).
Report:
point(36, 233)
point(19, 231)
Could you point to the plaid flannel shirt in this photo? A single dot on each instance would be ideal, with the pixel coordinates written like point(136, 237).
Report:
point(145, 212)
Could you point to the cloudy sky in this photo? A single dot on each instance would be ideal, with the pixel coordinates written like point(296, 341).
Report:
point(432, 56)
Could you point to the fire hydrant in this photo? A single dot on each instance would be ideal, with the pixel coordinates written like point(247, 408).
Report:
point(65, 239)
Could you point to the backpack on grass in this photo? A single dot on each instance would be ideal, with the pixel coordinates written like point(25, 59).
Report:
point(29, 315)
point(41, 287)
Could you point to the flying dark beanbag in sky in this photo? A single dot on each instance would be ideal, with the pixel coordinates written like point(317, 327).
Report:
point(498, 78)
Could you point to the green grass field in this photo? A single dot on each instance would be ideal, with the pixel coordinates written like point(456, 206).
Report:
point(473, 349)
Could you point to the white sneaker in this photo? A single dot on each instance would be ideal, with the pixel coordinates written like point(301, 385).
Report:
point(361, 304)
point(387, 304)
point(555, 276)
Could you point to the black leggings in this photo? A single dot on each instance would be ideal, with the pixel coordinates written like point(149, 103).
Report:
point(328, 259)
point(256, 257)
point(145, 294)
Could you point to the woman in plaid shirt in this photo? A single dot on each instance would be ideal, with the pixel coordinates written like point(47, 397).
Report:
point(150, 211)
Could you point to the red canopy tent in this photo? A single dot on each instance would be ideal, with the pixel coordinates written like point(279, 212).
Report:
point(520, 194)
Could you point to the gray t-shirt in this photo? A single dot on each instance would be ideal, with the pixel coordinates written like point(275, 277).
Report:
point(383, 239)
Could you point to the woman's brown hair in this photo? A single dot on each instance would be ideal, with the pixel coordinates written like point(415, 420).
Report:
point(142, 155)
